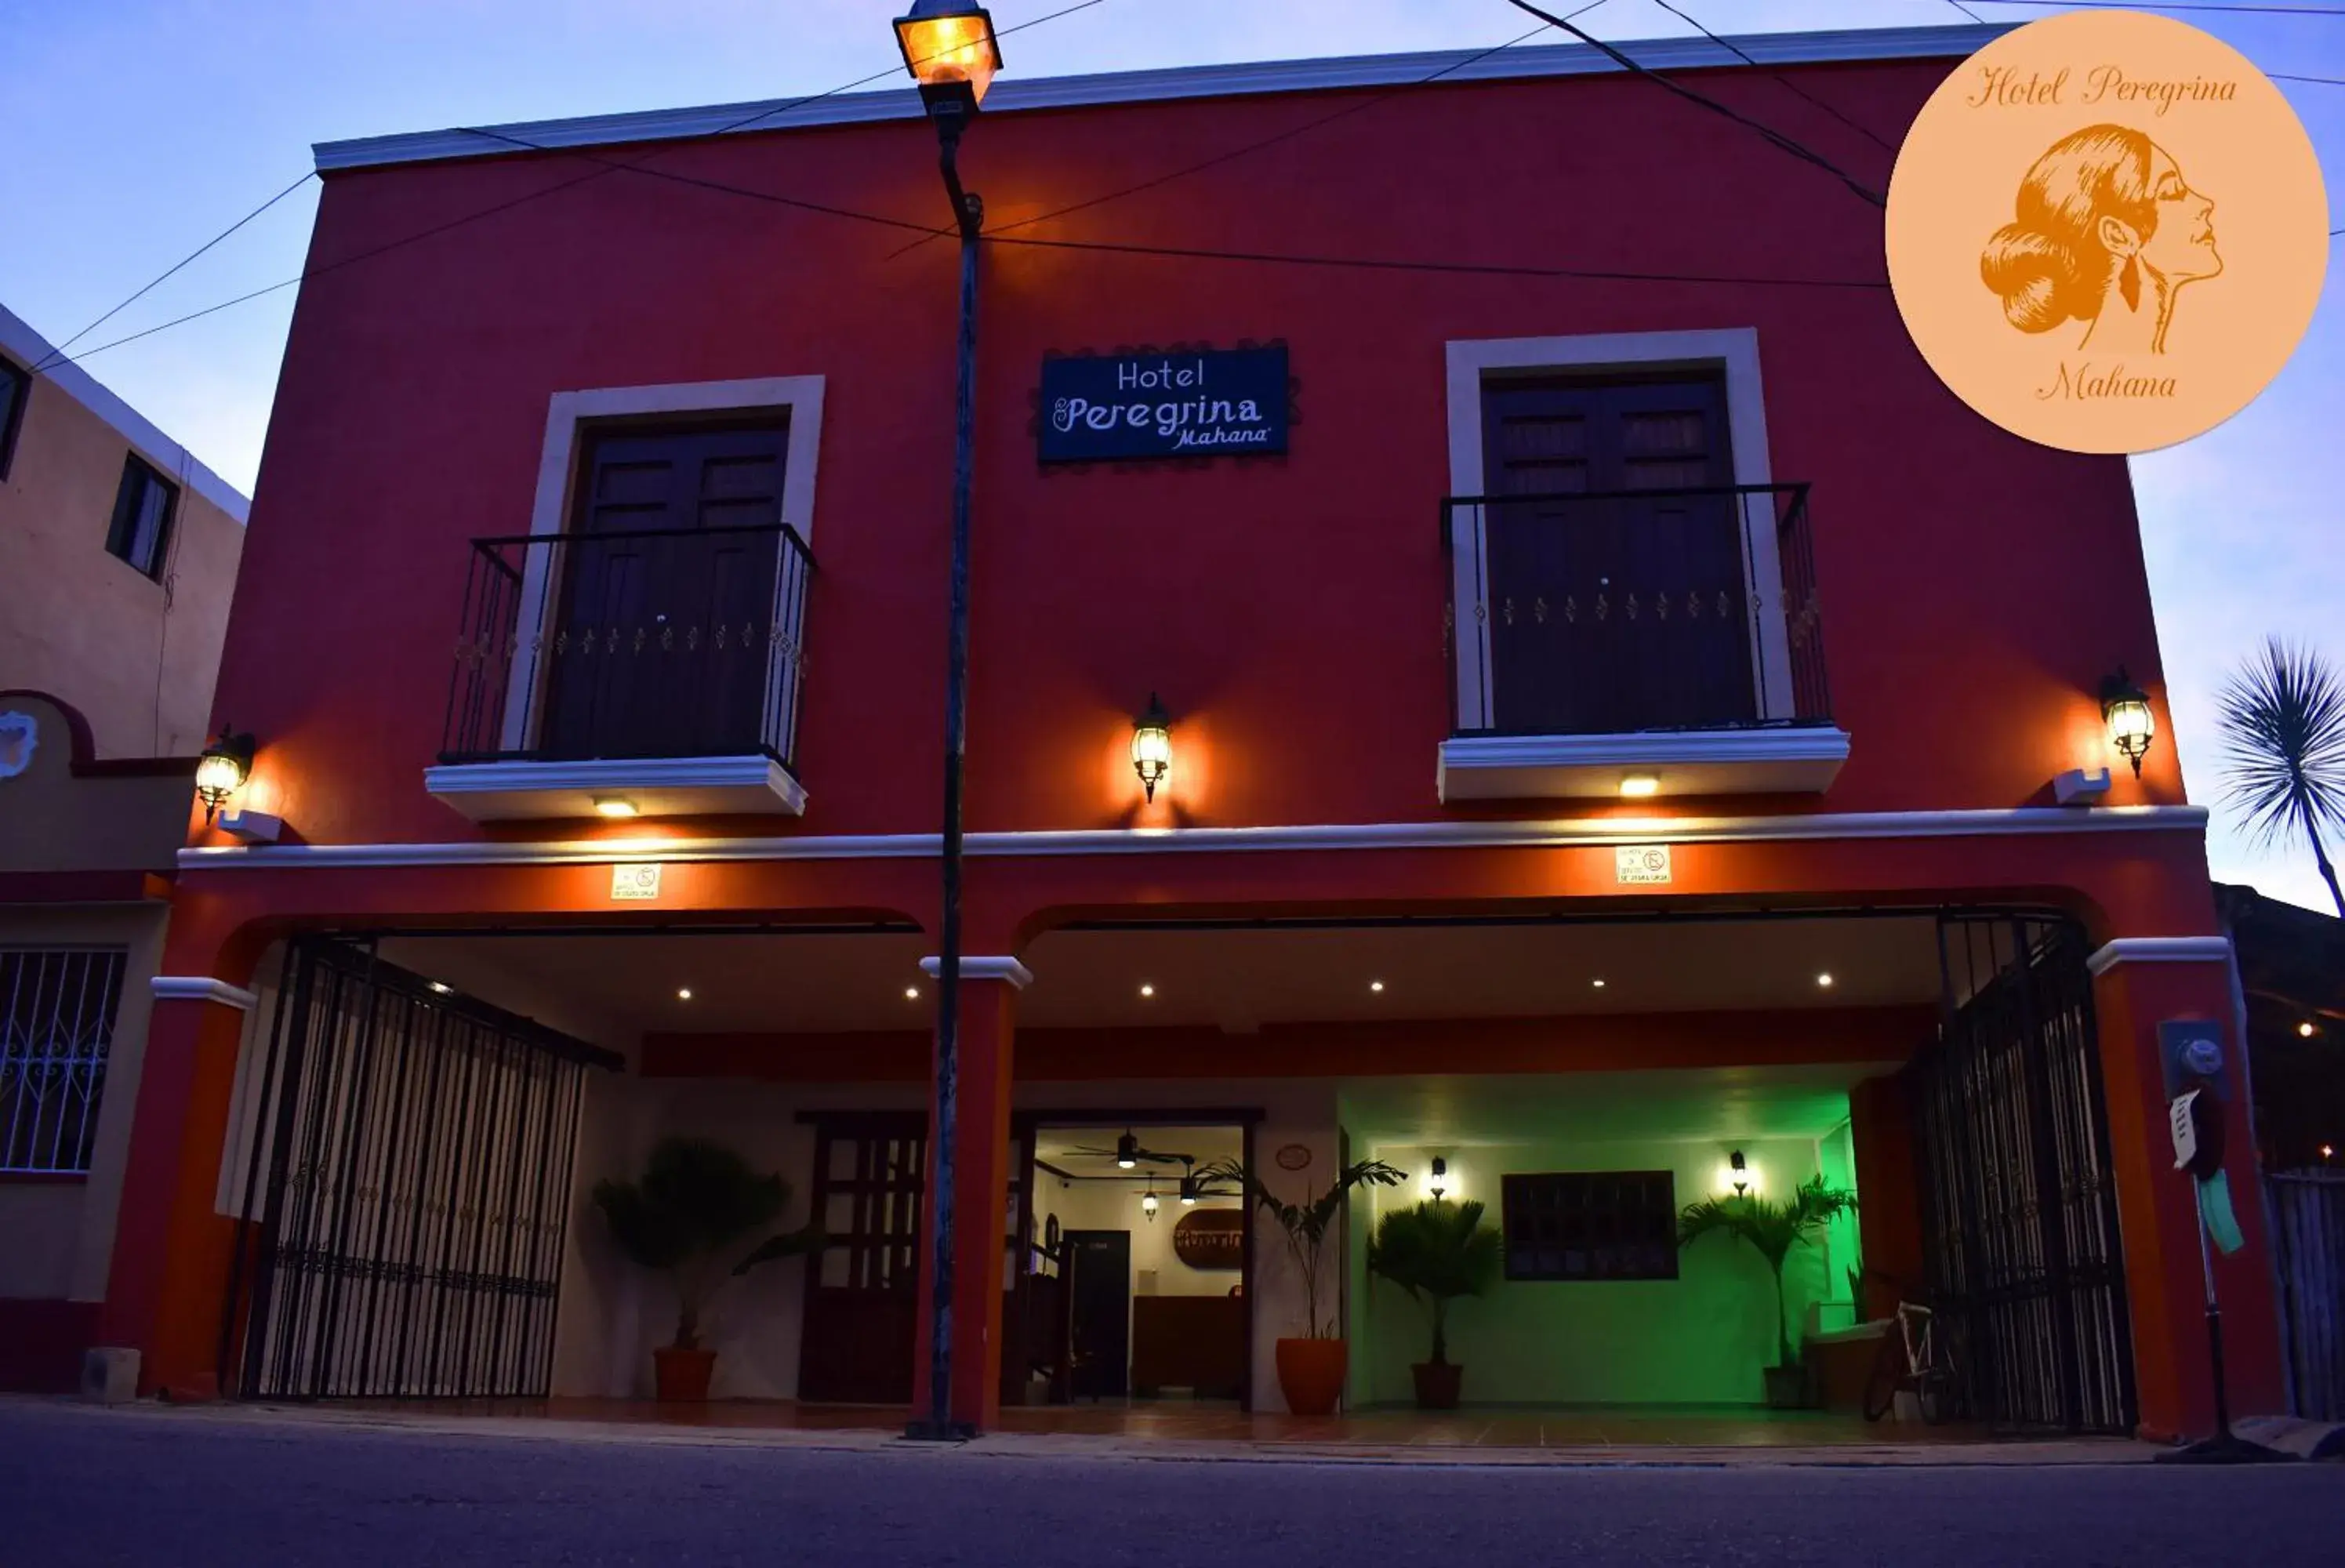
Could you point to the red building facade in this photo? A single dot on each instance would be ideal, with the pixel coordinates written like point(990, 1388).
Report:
point(1382, 900)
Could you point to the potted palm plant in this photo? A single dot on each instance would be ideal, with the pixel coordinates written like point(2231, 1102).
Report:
point(1311, 1366)
point(1772, 1228)
point(1436, 1251)
point(696, 1203)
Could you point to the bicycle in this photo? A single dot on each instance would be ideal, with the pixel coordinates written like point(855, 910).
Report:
point(1913, 1358)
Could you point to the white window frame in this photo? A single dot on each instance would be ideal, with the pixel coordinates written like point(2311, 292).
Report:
point(1476, 362)
point(800, 397)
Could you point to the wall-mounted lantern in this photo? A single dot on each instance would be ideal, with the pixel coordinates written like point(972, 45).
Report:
point(1738, 1171)
point(1436, 1181)
point(1152, 745)
point(222, 769)
point(2132, 726)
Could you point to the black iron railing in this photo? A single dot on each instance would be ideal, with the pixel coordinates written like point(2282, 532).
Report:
point(635, 643)
point(1613, 612)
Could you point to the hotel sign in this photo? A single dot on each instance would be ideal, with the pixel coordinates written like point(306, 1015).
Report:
point(1215, 402)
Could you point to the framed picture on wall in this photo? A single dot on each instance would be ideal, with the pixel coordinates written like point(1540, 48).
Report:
point(1590, 1225)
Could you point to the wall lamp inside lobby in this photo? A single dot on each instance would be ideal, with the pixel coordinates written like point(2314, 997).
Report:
point(222, 769)
point(2124, 706)
point(1741, 1170)
point(1152, 745)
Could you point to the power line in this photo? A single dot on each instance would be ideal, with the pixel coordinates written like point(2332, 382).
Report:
point(606, 167)
point(56, 354)
point(1254, 147)
point(2325, 81)
point(1797, 91)
point(1471, 269)
point(1798, 150)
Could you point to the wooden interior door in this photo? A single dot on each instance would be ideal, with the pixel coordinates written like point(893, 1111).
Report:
point(661, 643)
point(1099, 1293)
point(1611, 611)
point(863, 1293)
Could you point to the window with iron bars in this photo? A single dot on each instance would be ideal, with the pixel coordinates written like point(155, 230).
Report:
point(54, 1038)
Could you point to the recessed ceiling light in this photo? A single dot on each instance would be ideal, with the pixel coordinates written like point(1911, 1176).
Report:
point(1637, 786)
point(911, 993)
point(1824, 980)
point(684, 993)
point(451, 990)
point(1375, 984)
point(2306, 1029)
point(615, 807)
point(1598, 984)
point(1147, 990)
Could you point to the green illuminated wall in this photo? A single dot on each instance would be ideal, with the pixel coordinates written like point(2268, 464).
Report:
point(1700, 1339)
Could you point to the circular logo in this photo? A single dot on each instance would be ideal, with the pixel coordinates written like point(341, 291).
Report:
point(2107, 231)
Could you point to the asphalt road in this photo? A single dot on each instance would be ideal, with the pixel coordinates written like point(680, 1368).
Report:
point(82, 1486)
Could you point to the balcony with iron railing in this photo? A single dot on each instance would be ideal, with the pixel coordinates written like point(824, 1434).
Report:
point(1635, 643)
point(628, 672)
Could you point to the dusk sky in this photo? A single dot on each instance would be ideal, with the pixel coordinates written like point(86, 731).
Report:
point(138, 130)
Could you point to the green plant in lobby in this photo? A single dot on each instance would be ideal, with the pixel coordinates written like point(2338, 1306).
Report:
point(1310, 1368)
point(1773, 1227)
point(1438, 1252)
point(694, 1204)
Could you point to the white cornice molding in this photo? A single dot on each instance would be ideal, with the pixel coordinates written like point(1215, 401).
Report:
point(202, 988)
point(983, 968)
point(2160, 950)
point(1011, 95)
point(1598, 832)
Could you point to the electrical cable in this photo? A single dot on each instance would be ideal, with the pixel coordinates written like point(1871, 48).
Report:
point(1289, 135)
point(56, 351)
point(608, 167)
point(1777, 138)
point(1796, 90)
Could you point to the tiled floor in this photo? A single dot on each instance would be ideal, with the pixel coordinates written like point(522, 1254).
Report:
point(1186, 1423)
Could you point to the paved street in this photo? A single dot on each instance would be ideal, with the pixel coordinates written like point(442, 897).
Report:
point(189, 1488)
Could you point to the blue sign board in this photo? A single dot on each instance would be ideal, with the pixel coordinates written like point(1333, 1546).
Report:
point(1215, 402)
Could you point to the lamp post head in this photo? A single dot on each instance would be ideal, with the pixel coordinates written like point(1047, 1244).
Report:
point(950, 49)
point(2132, 726)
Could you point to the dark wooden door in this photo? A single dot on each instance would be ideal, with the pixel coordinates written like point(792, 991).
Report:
point(1099, 1288)
point(661, 644)
point(863, 1294)
point(1613, 611)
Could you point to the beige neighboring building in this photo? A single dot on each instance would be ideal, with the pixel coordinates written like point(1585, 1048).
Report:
point(118, 554)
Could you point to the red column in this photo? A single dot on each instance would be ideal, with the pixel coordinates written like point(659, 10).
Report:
point(1889, 1203)
point(988, 991)
point(167, 1287)
point(2139, 983)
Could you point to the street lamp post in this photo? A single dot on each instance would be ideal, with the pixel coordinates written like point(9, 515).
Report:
point(951, 50)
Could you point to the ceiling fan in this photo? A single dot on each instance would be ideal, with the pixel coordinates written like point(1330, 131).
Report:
point(1128, 1153)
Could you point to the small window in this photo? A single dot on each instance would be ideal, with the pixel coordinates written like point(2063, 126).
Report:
point(56, 1031)
point(141, 532)
point(15, 391)
point(1591, 1225)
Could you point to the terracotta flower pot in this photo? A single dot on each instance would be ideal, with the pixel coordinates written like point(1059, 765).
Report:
point(1437, 1384)
point(1311, 1374)
point(680, 1375)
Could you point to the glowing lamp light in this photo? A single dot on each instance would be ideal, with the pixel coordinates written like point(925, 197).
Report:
point(1738, 1173)
point(2306, 1029)
point(1187, 1192)
point(2327, 1151)
point(951, 48)
point(2132, 726)
point(1152, 745)
point(1127, 1152)
point(222, 769)
point(1148, 1204)
point(1436, 1180)
point(1639, 786)
point(614, 807)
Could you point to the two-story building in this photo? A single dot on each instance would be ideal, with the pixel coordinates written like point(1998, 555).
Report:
point(118, 557)
point(1614, 696)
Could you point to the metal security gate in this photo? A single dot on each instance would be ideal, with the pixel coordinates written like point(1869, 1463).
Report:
point(2019, 1203)
point(409, 1180)
point(2307, 1228)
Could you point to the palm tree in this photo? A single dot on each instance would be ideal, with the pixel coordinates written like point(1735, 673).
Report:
point(2283, 722)
point(1772, 1229)
point(1437, 1252)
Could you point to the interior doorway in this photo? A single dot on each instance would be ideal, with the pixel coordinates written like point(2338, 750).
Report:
point(1136, 1276)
